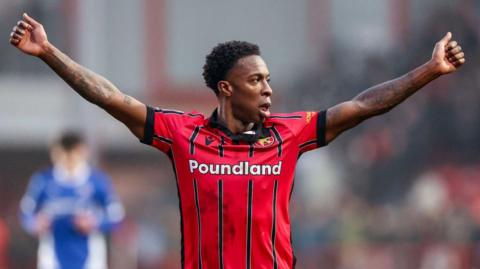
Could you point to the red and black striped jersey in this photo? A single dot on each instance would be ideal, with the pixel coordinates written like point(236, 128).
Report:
point(234, 190)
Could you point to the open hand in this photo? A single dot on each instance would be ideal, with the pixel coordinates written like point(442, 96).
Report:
point(447, 55)
point(29, 36)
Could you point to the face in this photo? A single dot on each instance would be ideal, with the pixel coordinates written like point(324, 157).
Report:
point(69, 159)
point(249, 89)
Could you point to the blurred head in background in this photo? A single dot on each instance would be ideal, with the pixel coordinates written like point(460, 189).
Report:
point(69, 151)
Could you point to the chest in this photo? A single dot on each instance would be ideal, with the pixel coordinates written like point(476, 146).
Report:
point(55, 190)
point(206, 144)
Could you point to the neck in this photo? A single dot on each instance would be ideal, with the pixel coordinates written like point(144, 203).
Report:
point(71, 168)
point(226, 116)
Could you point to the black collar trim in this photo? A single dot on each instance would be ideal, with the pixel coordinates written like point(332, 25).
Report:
point(258, 131)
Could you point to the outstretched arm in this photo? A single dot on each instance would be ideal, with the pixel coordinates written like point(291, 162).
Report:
point(447, 57)
point(30, 37)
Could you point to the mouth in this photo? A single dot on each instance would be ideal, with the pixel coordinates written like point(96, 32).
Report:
point(265, 108)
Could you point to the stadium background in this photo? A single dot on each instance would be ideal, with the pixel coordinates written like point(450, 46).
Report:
point(400, 191)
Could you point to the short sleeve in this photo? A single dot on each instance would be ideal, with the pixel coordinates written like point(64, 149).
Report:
point(162, 125)
point(311, 130)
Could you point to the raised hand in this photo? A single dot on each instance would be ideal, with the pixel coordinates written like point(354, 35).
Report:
point(29, 36)
point(447, 55)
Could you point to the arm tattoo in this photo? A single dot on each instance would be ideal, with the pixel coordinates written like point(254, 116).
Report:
point(383, 97)
point(89, 85)
point(127, 99)
point(376, 100)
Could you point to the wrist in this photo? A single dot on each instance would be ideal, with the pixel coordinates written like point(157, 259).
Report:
point(434, 67)
point(46, 48)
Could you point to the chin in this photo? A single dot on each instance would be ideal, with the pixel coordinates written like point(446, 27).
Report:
point(260, 118)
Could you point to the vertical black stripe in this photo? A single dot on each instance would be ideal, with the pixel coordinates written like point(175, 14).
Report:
point(192, 139)
point(252, 148)
point(279, 139)
point(294, 261)
point(197, 205)
point(249, 223)
point(220, 146)
point(220, 223)
point(182, 237)
point(274, 224)
point(321, 126)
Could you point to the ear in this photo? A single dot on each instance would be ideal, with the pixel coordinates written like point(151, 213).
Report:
point(224, 88)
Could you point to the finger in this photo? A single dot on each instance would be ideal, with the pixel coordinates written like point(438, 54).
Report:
point(14, 41)
point(457, 57)
point(24, 25)
point(19, 31)
point(455, 50)
point(459, 63)
point(15, 35)
point(446, 38)
point(452, 44)
point(30, 20)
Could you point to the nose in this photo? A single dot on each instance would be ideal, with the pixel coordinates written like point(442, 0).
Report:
point(267, 90)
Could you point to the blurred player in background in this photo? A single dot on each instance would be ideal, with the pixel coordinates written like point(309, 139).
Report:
point(69, 207)
point(235, 168)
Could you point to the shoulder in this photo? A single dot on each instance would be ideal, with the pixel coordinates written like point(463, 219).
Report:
point(98, 175)
point(294, 121)
point(287, 116)
point(43, 174)
point(40, 179)
point(192, 116)
point(301, 117)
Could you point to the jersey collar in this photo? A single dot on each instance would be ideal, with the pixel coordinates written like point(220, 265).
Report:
point(78, 177)
point(258, 131)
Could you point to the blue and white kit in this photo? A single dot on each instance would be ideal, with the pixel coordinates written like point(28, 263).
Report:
point(58, 196)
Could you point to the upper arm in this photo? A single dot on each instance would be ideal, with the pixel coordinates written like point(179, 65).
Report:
point(33, 196)
point(31, 202)
point(343, 117)
point(129, 111)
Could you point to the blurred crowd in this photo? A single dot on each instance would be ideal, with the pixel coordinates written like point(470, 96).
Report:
point(406, 191)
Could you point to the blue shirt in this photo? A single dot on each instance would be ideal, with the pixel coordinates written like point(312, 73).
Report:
point(60, 196)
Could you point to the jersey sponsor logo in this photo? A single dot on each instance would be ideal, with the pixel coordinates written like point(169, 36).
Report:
point(265, 142)
point(240, 169)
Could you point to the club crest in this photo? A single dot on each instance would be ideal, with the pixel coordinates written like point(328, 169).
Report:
point(265, 142)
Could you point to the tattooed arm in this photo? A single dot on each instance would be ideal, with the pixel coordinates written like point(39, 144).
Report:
point(447, 57)
point(30, 37)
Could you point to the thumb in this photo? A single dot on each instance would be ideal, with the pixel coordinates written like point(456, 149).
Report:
point(444, 41)
point(30, 20)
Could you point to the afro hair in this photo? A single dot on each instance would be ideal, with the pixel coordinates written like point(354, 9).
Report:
point(222, 58)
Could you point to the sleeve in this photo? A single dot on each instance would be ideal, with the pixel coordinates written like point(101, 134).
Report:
point(311, 130)
point(112, 211)
point(31, 202)
point(160, 126)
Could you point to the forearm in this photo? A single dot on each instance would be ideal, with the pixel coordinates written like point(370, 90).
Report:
point(383, 97)
point(97, 90)
point(89, 85)
point(28, 222)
